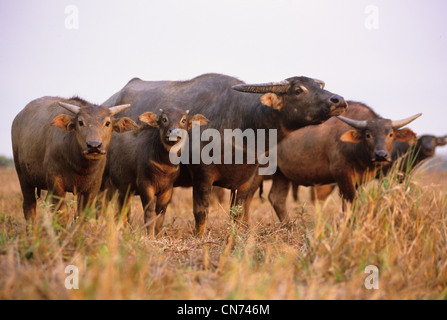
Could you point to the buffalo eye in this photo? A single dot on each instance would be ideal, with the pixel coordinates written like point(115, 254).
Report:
point(298, 90)
point(164, 119)
point(391, 134)
point(368, 135)
point(183, 120)
point(107, 123)
point(81, 123)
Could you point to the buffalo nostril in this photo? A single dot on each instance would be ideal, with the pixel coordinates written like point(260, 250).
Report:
point(94, 144)
point(336, 99)
point(381, 155)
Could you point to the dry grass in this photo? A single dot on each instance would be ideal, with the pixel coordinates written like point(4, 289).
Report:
point(400, 228)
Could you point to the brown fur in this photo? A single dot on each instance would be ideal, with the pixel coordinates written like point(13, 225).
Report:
point(333, 153)
point(51, 153)
point(212, 95)
point(138, 164)
point(410, 154)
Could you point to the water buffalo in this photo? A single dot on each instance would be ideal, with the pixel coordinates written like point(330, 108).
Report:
point(60, 145)
point(139, 163)
point(409, 154)
point(334, 152)
point(412, 153)
point(231, 104)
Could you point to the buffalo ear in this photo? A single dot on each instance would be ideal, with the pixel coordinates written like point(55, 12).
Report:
point(150, 118)
point(352, 136)
point(64, 122)
point(124, 124)
point(273, 101)
point(441, 141)
point(198, 118)
point(404, 134)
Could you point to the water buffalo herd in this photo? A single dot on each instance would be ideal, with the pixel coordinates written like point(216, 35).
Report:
point(406, 157)
point(70, 145)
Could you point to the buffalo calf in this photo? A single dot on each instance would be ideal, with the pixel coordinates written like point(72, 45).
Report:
point(139, 163)
point(60, 145)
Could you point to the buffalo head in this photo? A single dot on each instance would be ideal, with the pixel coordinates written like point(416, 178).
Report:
point(93, 126)
point(300, 100)
point(171, 123)
point(378, 135)
point(427, 144)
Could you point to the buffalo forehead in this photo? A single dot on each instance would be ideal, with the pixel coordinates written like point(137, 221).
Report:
point(174, 112)
point(379, 125)
point(427, 138)
point(94, 112)
point(298, 79)
point(302, 80)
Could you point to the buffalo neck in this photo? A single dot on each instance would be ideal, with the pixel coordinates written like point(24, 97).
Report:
point(76, 160)
point(263, 117)
point(158, 152)
point(360, 156)
point(420, 155)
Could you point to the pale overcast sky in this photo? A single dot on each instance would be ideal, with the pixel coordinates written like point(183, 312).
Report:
point(389, 54)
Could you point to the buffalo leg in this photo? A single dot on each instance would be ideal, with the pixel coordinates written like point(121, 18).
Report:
point(347, 190)
point(295, 189)
point(163, 200)
point(57, 197)
point(85, 201)
point(244, 196)
point(148, 201)
point(59, 206)
point(242, 204)
point(29, 201)
point(124, 203)
point(278, 196)
point(201, 203)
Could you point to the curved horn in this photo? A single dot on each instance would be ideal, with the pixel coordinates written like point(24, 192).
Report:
point(400, 123)
point(357, 124)
point(118, 109)
point(320, 82)
point(275, 87)
point(70, 107)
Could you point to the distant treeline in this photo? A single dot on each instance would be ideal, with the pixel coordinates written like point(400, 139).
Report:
point(6, 162)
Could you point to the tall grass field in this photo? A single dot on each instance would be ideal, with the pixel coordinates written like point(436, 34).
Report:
point(400, 229)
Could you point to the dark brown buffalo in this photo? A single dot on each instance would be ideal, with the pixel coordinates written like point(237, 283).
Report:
point(411, 153)
point(334, 152)
point(139, 164)
point(60, 145)
point(408, 154)
point(230, 104)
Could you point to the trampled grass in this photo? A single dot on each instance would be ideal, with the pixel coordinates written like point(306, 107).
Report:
point(400, 228)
